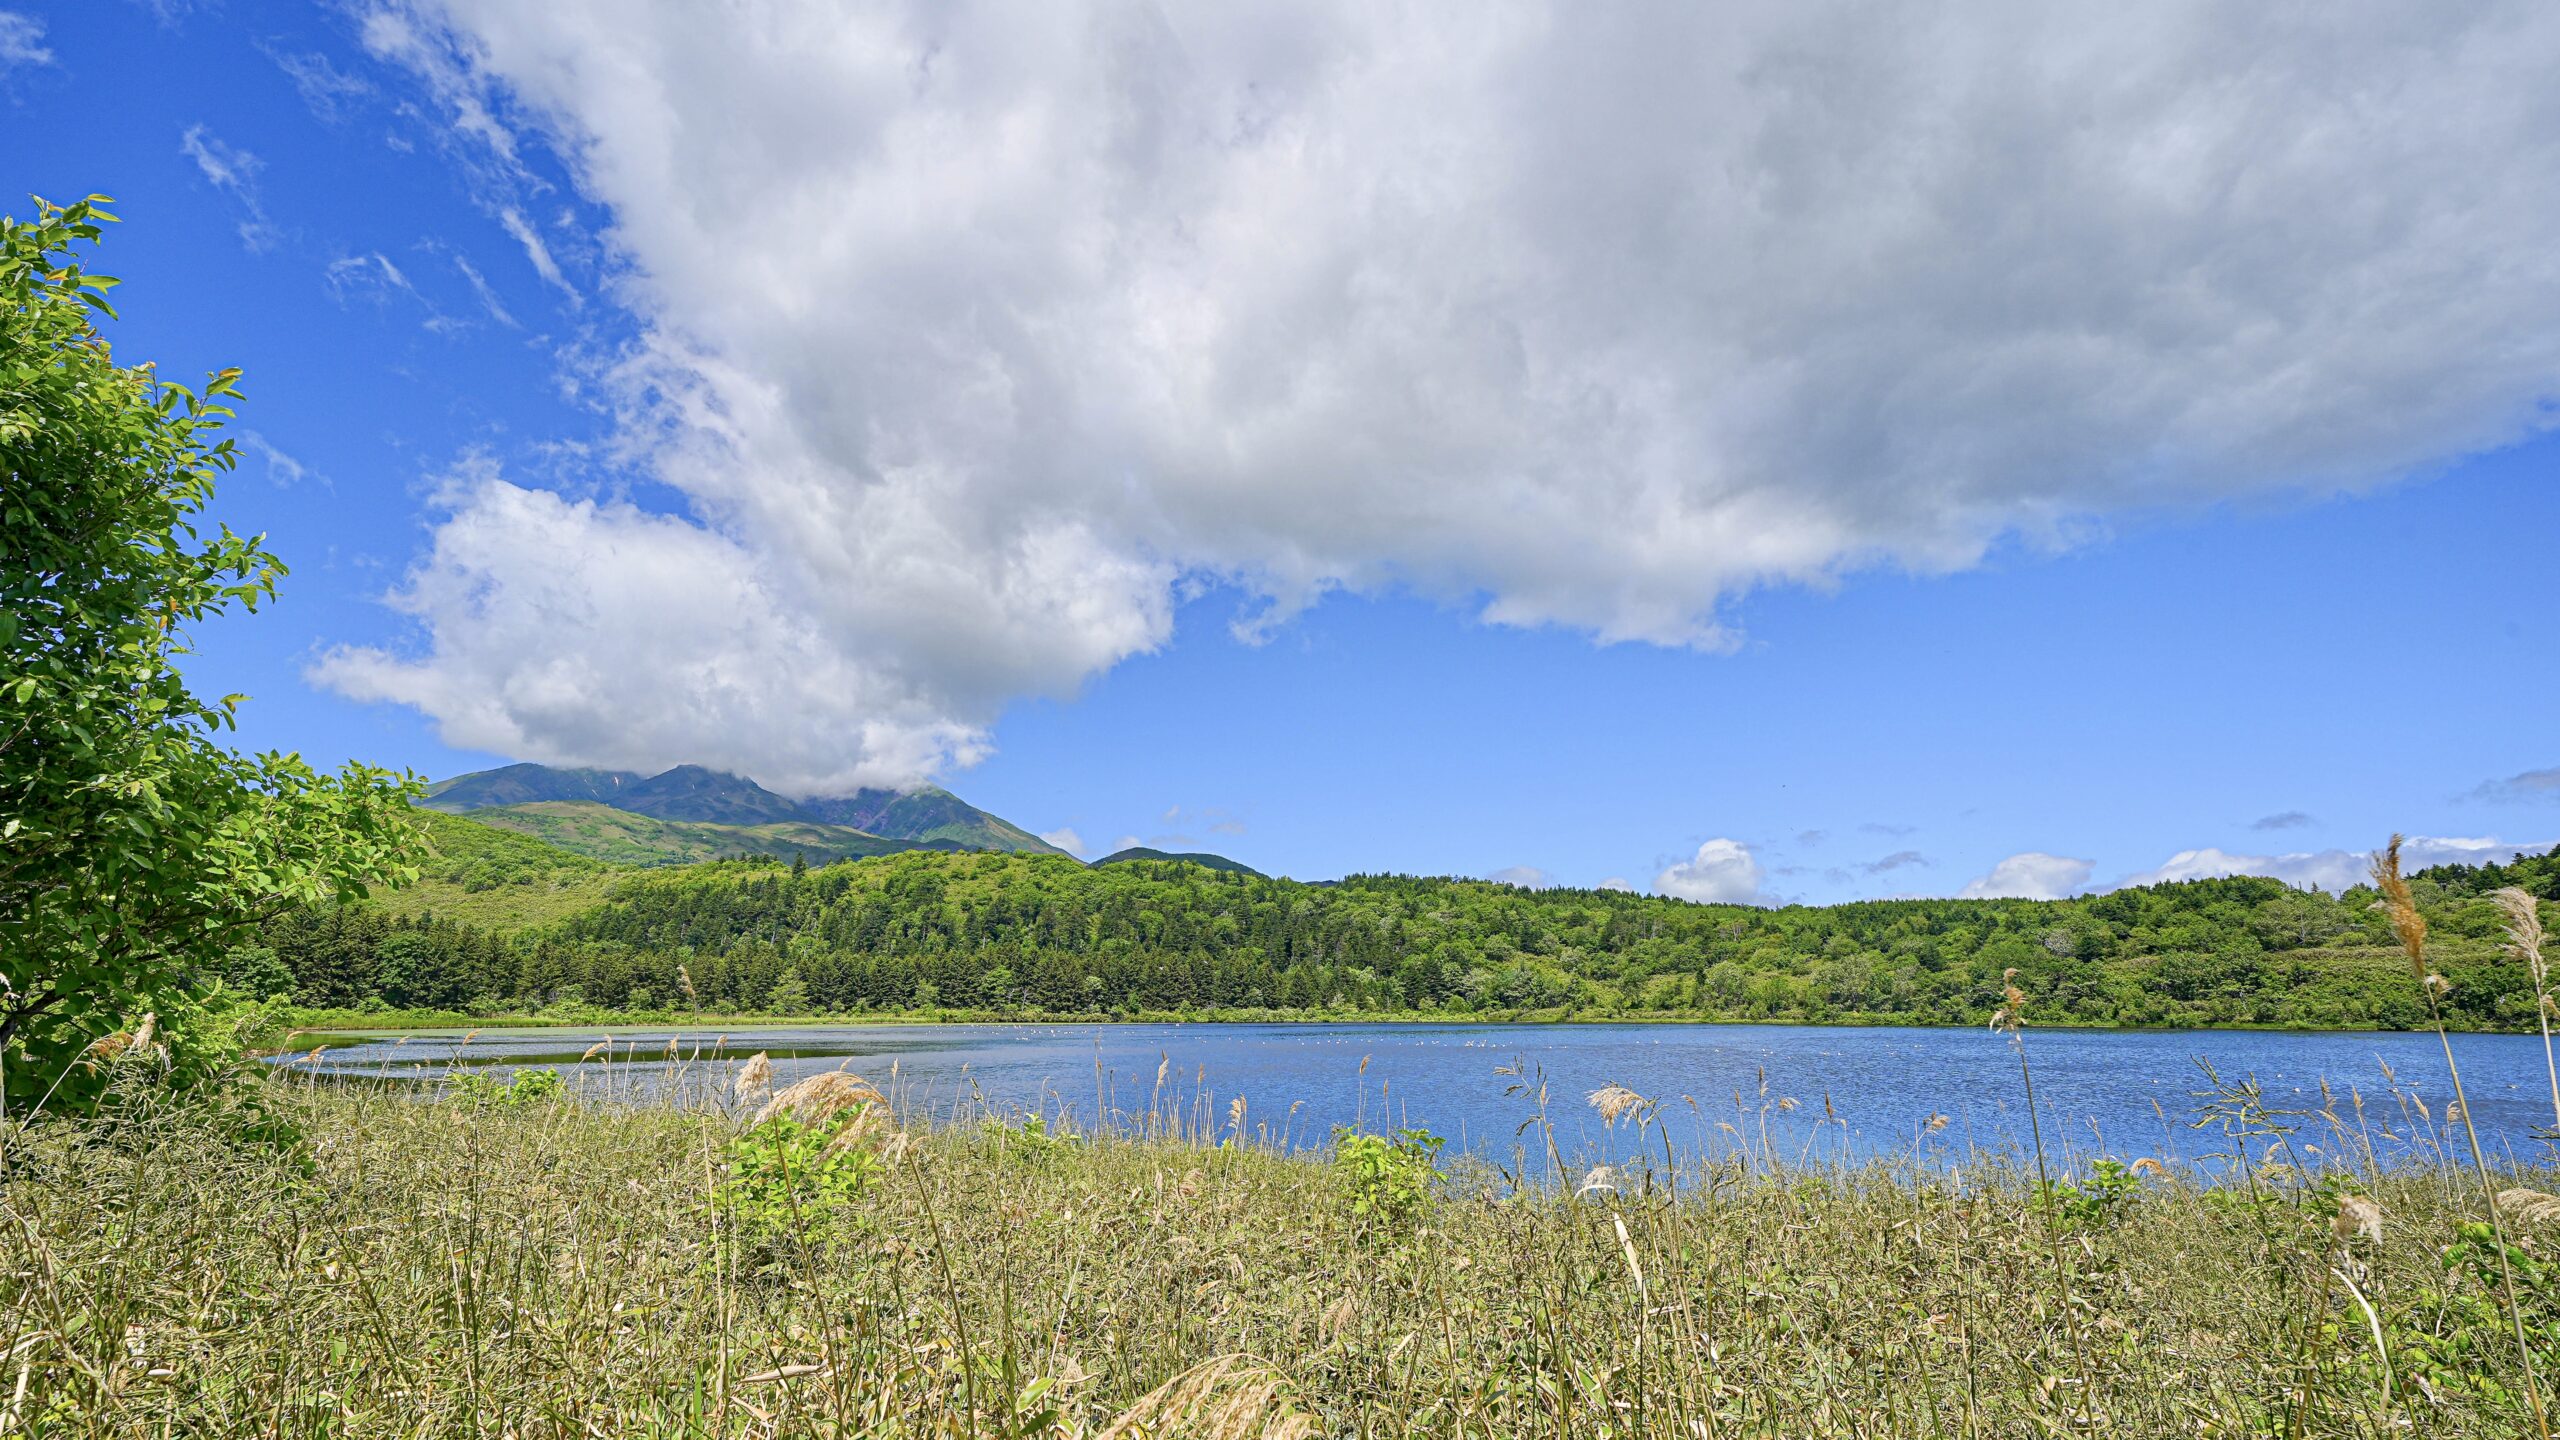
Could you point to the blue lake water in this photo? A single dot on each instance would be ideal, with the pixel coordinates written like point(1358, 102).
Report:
point(1804, 1093)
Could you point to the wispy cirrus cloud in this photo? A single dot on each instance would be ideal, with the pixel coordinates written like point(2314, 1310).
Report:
point(282, 469)
point(2523, 785)
point(234, 172)
point(1898, 860)
point(327, 91)
point(22, 42)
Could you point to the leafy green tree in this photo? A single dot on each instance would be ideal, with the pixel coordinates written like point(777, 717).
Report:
point(134, 847)
point(257, 972)
point(790, 995)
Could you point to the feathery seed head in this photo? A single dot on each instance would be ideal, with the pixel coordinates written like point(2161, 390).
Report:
point(824, 1096)
point(1615, 1102)
point(2401, 907)
point(2529, 1204)
point(755, 1078)
point(2524, 929)
point(2358, 1217)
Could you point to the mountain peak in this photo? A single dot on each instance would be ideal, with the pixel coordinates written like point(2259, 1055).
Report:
point(925, 817)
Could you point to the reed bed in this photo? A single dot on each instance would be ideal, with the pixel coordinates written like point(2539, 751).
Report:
point(577, 1265)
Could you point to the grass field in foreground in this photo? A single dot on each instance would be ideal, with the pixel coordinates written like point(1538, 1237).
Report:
point(500, 1263)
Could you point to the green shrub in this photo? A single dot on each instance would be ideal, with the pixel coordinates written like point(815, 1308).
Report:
point(1388, 1184)
point(525, 1088)
point(2099, 1202)
point(794, 1182)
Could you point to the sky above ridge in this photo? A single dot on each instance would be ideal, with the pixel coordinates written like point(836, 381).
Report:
point(1783, 453)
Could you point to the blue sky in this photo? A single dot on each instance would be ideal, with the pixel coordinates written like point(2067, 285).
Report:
point(1175, 500)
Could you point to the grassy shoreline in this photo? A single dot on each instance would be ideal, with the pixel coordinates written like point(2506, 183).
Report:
point(555, 1269)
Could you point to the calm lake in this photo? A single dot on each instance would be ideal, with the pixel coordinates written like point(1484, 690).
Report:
point(1802, 1092)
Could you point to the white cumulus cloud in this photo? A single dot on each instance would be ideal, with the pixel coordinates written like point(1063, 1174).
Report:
point(594, 633)
point(1065, 838)
point(970, 330)
point(1723, 872)
point(2331, 870)
point(1527, 877)
point(2030, 875)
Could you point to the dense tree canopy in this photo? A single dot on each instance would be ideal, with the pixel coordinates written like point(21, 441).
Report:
point(1016, 933)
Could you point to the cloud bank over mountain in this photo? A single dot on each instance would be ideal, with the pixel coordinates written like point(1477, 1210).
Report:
point(968, 332)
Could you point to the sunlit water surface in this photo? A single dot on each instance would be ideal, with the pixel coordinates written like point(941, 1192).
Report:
point(1801, 1093)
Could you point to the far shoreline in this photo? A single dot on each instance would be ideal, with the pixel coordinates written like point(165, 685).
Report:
point(298, 1029)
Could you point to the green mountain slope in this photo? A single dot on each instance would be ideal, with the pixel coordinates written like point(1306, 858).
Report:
point(621, 837)
point(930, 814)
point(929, 817)
point(692, 792)
point(496, 878)
point(1187, 857)
point(522, 784)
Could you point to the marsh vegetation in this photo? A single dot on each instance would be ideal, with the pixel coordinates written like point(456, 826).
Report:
point(511, 1260)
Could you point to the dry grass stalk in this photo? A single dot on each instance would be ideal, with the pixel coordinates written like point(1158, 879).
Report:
point(1615, 1102)
point(2013, 1004)
point(2358, 1217)
point(755, 1079)
point(2526, 1203)
point(1338, 1318)
point(2524, 929)
point(1225, 1397)
point(824, 1096)
point(2402, 910)
point(2524, 942)
point(2411, 927)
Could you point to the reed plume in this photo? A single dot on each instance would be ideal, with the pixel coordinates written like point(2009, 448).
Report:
point(2401, 908)
point(755, 1079)
point(824, 1096)
point(2358, 1217)
point(2524, 1203)
point(1225, 1397)
point(2524, 942)
point(1615, 1102)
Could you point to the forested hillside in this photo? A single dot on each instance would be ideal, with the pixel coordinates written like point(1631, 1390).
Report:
point(1031, 933)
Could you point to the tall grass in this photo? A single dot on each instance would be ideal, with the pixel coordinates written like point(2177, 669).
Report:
point(565, 1267)
point(2411, 928)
